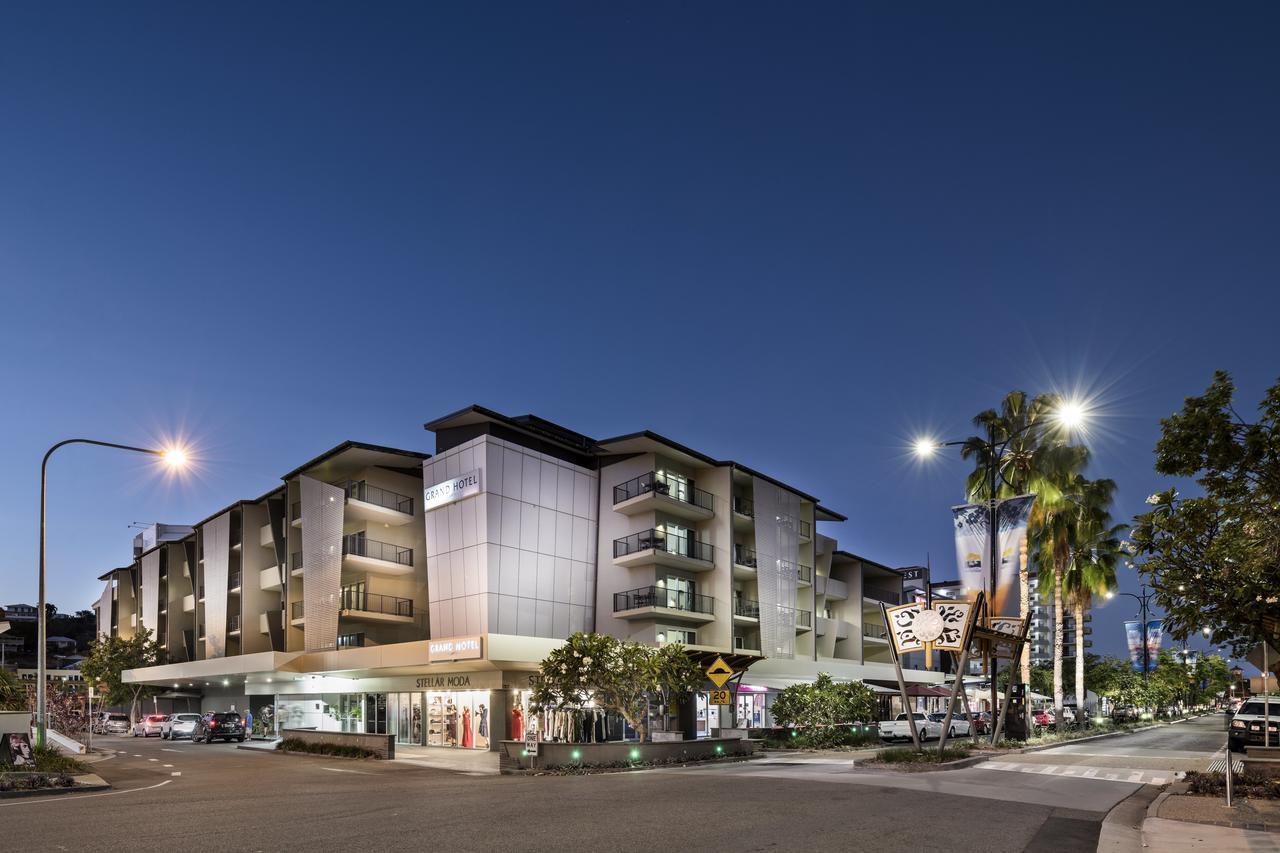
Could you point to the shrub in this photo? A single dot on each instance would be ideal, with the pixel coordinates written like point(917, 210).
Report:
point(908, 755)
point(1255, 785)
point(337, 750)
point(837, 737)
point(49, 760)
point(34, 781)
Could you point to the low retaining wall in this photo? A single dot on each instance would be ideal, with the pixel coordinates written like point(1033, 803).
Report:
point(621, 752)
point(383, 745)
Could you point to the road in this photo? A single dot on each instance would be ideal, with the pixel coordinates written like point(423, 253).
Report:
point(214, 797)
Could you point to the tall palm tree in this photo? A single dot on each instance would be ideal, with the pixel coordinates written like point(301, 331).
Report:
point(1052, 534)
point(1095, 554)
point(1026, 424)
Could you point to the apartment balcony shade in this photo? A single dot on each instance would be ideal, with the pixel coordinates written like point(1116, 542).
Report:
point(649, 601)
point(360, 551)
point(658, 491)
point(657, 547)
point(373, 503)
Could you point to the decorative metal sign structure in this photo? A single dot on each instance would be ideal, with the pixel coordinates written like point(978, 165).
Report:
point(943, 627)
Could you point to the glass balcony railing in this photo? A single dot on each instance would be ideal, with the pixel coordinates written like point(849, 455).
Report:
point(655, 482)
point(233, 580)
point(659, 540)
point(368, 602)
point(744, 556)
point(357, 544)
point(360, 490)
point(804, 574)
point(744, 506)
point(657, 596)
point(746, 607)
point(804, 618)
point(875, 631)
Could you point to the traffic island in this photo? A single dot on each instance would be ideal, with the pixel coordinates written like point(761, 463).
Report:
point(19, 784)
point(906, 759)
point(520, 757)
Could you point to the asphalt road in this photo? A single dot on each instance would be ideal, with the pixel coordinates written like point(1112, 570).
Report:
point(215, 797)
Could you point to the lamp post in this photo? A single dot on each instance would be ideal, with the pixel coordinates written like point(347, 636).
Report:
point(1068, 415)
point(173, 457)
point(1144, 608)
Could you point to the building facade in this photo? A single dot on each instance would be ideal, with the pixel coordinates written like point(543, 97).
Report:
point(415, 594)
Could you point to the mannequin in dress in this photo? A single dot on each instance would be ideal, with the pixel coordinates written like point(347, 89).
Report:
point(482, 726)
point(451, 724)
point(517, 723)
point(466, 727)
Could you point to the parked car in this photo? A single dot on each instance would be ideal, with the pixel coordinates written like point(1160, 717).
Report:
point(900, 729)
point(982, 722)
point(177, 726)
point(959, 725)
point(1043, 718)
point(1125, 713)
point(148, 725)
point(1246, 723)
point(117, 724)
point(227, 725)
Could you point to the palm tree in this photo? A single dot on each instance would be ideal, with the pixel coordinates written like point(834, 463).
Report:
point(1095, 553)
point(1052, 535)
point(1025, 424)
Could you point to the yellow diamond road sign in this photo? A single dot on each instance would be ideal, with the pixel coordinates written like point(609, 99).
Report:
point(719, 672)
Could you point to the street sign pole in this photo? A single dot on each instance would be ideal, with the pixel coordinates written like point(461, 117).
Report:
point(902, 682)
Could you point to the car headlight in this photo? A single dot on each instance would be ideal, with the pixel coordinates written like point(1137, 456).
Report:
point(1237, 724)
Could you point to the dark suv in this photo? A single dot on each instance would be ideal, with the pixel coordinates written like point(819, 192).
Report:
point(220, 724)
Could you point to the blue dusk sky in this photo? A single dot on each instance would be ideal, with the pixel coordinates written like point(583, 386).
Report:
point(793, 235)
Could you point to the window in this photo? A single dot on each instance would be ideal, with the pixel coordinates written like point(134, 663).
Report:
point(679, 592)
point(677, 635)
point(677, 484)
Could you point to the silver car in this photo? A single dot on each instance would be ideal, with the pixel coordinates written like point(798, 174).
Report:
point(117, 724)
point(177, 726)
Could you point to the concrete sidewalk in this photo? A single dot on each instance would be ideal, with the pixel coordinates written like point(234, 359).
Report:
point(1180, 836)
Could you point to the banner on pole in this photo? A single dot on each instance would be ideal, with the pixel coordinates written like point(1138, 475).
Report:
point(1155, 633)
point(1013, 516)
point(1133, 634)
point(973, 548)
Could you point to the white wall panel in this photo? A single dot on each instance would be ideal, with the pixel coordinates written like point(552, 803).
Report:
point(151, 594)
point(217, 555)
point(323, 506)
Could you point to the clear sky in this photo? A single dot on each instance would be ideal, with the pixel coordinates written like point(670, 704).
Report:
point(794, 235)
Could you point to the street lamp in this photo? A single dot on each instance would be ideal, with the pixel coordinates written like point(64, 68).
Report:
point(1144, 605)
point(174, 457)
point(1068, 415)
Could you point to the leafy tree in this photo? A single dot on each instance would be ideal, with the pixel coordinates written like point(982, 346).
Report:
point(1040, 679)
point(824, 707)
point(13, 694)
point(1212, 672)
point(109, 657)
point(1212, 558)
point(616, 675)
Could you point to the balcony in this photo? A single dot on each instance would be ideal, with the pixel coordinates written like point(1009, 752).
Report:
point(295, 564)
point(351, 641)
point(657, 547)
point(269, 579)
point(744, 513)
point(875, 631)
point(233, 625)
point(652, 601)
point(265, 539)
point(744, 609)
point(804, 620)
point(656, 491)
point(827, 627)
point(805, 529)
point(295, 513)
point(296, 614)
point(372, 503)
point(233, 583)
point(371, 607)
point(870, 593)
point(188, 604)
point(804, 575)
point(836, 590)
point(358, 551)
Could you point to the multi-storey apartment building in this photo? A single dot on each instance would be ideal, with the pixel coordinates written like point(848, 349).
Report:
point(396, 591)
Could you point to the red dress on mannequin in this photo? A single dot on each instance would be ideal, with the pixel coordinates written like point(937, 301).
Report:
point(517, 723)
point(466, 727)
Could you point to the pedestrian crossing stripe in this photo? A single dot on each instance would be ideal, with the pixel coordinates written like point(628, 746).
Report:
point(1098, 774)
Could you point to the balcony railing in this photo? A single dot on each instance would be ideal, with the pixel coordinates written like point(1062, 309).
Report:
point(878, 632)
point(295, 612)
point(746, 607)
point(657, 596)
point(295, 511)
point(806, 529)
point(744, 506)
point(368, 602)
point(295, 560)
point(233, 623)
point(880, 595)
point(804, 574)
point(658, 540)
point(233, 580)
point(804, 618)
point(358, 545)
point(351, 641)
point(655, 482)
point(360, 490)
point(744, 556)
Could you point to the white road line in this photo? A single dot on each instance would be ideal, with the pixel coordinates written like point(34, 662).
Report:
point(343, 770)
point(1091, 772)
point(166, 749)
point(168, 765)
point(35, 801)
point(153, 759)
point(176, 773)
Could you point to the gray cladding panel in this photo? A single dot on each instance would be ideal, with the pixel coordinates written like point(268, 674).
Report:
point(217, 557)
point(151, 593)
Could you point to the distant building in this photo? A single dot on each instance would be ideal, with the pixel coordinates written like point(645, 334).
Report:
point(20, 612)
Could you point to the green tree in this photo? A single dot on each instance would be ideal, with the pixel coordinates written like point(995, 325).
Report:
point(824, 707)
point(1212, 558)
point(1028, 426)
point(1039, 679)
point(618, 676)
point(109, 657)
point(1096, 549)
point(1213, 674)
point(13, 694)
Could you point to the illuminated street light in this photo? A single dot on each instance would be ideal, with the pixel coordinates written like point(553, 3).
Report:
point(1072, 414)
point(925, 447)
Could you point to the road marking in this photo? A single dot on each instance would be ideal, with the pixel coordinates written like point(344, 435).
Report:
point(176, 773)
point(137, 755)
point(166, 749)
point(168, 765)
point(153, 759)
point(38, 801)
point(344, 770)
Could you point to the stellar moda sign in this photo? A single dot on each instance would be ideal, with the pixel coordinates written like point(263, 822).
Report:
point(451, 490)
point(458, 648)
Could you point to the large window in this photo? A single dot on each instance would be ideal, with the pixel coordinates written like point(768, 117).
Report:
point(677, 635)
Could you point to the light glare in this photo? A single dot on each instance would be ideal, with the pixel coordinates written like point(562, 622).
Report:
point(1072, 414)
point(925, 447)
point(175, 457)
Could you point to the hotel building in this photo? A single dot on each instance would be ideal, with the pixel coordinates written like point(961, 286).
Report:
point(401, 592)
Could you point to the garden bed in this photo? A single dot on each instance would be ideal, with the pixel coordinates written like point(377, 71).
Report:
point(908, 760)
point(331, 750)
